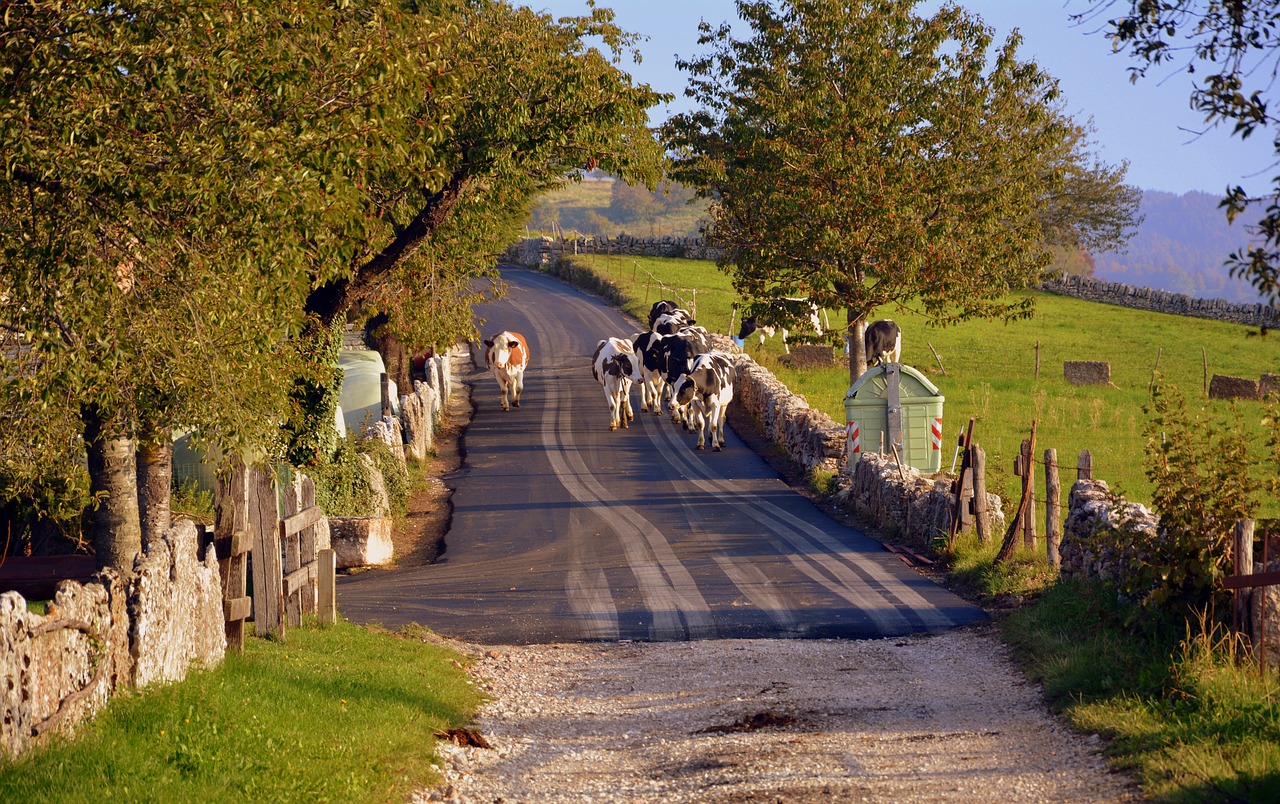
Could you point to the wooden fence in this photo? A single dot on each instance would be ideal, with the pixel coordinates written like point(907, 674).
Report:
point(291, 578)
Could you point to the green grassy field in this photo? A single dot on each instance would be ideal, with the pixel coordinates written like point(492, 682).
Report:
point(570, 207)
point(990, 370)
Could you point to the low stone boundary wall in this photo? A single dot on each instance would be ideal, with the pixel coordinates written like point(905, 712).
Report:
point(1162, 301)
point(809, 437)
point(58, 669)
point(904, 501)
point(537, 251)
point(1091, 506)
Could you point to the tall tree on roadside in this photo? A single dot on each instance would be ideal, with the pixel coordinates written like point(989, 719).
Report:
point(162, 193)
point(859, 154)
point(1233, 47)
point(195, 194)
point(534, 103)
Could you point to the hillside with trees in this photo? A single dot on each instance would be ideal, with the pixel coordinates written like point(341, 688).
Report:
point(1182, 246)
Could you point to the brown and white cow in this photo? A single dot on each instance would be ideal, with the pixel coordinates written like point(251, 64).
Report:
point(507, 354)
point(616, 366)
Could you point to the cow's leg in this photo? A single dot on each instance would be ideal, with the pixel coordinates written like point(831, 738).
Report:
point(699, 422)
point(786, 350)
point(517, 386)
point(611, 400)
point(717, 433)
point(503, 385)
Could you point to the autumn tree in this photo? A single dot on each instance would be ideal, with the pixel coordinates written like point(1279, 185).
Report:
point(1232, 48)
point(861, 155)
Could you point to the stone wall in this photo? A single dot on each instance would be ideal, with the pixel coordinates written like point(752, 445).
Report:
point(1162, 301)
point(1091, 507)
point(59, 669)
point(538, 251)
point(902, 500)
point(422, 410)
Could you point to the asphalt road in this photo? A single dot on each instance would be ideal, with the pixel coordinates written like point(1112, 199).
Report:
point(565, 531)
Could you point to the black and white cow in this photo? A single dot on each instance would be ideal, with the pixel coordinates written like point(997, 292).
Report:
point(615, 367)
point(652, 368)
point(675, 356)
point(883, 342)
point(707, 389)
point(783, 316)
point(672, 322)
point(661, 307)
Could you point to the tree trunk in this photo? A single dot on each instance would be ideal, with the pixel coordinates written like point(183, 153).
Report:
point(394, 355)
point(857, 331)
point(113, 480)
point(333, 300)
point(155, 480)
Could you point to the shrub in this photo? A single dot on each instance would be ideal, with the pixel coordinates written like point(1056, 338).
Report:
point(395, 475)
point(344, 484)
point(1206, 479)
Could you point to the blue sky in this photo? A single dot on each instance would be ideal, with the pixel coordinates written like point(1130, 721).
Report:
point(1150, 124)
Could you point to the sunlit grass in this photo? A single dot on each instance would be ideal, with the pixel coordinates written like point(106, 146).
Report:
point(338, 714)
point(1191, 716)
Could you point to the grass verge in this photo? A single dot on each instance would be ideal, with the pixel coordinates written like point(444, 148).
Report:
point(1191, 718)
point(345, 713)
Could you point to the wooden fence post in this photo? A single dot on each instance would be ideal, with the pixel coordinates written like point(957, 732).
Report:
point(292, 556)
point(307, 545)
point(1052, 501)
point(232, 542)
point(1029, 512)
point(268, 586)
point(327, 572)
point(1243, 560)
point(1009, 545)
point(1084, 465)
point(981, 516)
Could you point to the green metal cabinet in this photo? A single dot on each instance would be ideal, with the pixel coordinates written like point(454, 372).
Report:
point(895, 405)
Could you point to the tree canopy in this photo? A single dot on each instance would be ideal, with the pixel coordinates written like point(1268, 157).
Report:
point(859, 154)
point(195, 193)
point(1232, 47)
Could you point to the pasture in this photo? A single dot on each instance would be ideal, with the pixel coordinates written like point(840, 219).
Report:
point(990, 370)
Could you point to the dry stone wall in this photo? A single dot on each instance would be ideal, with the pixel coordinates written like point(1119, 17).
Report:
point(58, 669)
point(899, 499)
point(1162, 301)
point(538, 251)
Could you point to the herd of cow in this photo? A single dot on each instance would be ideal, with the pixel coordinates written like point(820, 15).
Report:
point(674, 365)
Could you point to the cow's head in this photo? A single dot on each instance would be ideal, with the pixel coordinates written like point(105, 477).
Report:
point(683, 391)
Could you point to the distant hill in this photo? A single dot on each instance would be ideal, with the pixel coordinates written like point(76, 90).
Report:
point(1182, 247)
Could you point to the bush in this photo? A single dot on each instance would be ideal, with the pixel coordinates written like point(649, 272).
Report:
point(1206, 477)
point(344, 484)
point(349, 483)
point(395, 475)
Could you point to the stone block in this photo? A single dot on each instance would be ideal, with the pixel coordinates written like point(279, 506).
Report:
point(1087, 372)
point(175, 608)
point(1226, 387)
point(1269, 384)
point(361, 541)
point(806, 356)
